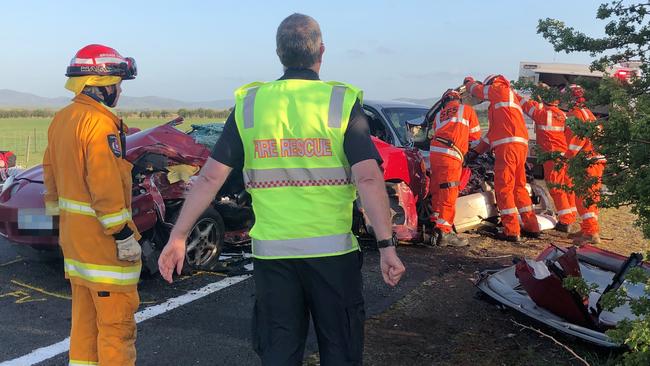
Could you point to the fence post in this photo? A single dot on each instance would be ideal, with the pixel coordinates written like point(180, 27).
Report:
point(35, 141)
point(27, 151)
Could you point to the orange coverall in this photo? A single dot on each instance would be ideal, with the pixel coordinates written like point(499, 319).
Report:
point(549, 129)
point(589, 214)
point(453, 124)
point(89, 181)
point(508, 137)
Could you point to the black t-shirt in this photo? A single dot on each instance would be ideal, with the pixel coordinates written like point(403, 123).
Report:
point(358, 146)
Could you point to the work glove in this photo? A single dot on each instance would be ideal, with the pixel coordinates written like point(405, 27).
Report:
point(468, 80)
point(51, 208)
point(128, 249)
point(471, 156)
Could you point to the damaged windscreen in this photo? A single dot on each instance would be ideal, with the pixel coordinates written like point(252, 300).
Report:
point(207, 134)
point(397, 117)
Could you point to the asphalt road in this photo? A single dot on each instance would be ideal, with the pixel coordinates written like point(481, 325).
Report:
point(211, 330)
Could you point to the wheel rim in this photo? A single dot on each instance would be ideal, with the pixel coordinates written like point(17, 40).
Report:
point(202, 245)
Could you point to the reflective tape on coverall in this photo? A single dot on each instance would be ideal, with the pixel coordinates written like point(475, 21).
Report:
point(112, 275)
point(84, 208)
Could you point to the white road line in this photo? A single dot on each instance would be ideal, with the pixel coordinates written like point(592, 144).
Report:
point(45, 353)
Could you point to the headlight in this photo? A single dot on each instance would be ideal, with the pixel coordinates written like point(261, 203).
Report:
point(7, 183)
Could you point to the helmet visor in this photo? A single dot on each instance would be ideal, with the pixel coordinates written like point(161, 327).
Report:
point(131, 69)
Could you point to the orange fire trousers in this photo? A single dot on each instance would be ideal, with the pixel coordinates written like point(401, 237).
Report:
point(103, 327)
point(512, 197)
point(445, 177)
point(589, 214)
point(564, 206)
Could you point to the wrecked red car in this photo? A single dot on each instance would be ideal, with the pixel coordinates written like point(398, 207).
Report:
point(7, 161)
point(535, 288)
point(164, 161)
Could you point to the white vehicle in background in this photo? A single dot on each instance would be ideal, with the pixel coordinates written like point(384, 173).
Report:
point(559, 75)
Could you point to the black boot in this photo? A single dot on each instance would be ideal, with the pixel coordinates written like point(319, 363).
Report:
point(451, 240)
point(531, 234)
point(563, 228)
point(500, 235)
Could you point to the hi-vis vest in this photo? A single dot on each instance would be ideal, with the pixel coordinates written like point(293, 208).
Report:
point(295, 168)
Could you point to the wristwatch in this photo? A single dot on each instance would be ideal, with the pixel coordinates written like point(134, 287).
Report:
point(392, 242)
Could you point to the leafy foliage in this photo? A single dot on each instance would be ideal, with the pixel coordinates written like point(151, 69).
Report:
point(623, 137)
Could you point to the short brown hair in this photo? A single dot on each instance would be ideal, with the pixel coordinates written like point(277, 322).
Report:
point(298, 41)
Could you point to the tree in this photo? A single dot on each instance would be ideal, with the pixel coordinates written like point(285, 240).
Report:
point(623, 137)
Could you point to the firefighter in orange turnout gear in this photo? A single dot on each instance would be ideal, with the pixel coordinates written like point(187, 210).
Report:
point(549, 129)
point(88, 184)
point(589, 229)
point(449, 144)
point(508, 137)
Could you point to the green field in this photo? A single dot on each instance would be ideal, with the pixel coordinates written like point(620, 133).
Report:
point(17, 133)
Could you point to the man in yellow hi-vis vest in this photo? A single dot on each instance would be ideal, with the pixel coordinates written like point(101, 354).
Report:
point(303, 145)
point(88, 184)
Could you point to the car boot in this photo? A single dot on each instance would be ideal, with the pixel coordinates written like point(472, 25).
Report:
point(451, 240)
point(593, 239)
point(500, 235)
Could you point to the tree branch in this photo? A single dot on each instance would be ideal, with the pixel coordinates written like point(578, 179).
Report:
point(554, 340)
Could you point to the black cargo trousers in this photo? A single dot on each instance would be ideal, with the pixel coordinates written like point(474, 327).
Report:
point(289, 290)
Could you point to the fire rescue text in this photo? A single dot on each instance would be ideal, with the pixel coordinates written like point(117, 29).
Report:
point(308, 147)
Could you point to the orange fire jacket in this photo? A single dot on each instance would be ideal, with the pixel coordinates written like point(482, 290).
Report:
point(86, 177)
point(549, 125)
point(506, 119)
point(577, 144)
point(457, 123)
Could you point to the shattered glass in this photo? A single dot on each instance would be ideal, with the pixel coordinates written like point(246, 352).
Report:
point(207, 134)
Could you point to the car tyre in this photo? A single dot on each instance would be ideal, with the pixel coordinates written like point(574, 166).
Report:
point(205, 241)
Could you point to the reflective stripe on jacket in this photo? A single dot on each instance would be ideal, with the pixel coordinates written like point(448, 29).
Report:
point(549, 125)
point(89, 181)
point(295, 168)
point(457, 123)
point(505, 116)
point(577, 144)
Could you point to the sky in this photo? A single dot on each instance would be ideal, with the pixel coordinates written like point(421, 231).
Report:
point(203, 50)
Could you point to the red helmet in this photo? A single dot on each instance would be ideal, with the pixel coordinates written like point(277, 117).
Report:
point(577, 92)
point(96, 59)
point(449, 95)
point(492, 78)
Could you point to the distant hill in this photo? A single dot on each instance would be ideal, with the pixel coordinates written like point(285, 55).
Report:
point(426, 101)
point(15, 99)
point(431, 101)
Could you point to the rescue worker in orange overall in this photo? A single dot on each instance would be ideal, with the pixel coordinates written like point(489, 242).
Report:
point(508, 137)
point(589, 229)
point(449, 144)
point(549, 130)
point(88, 184)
